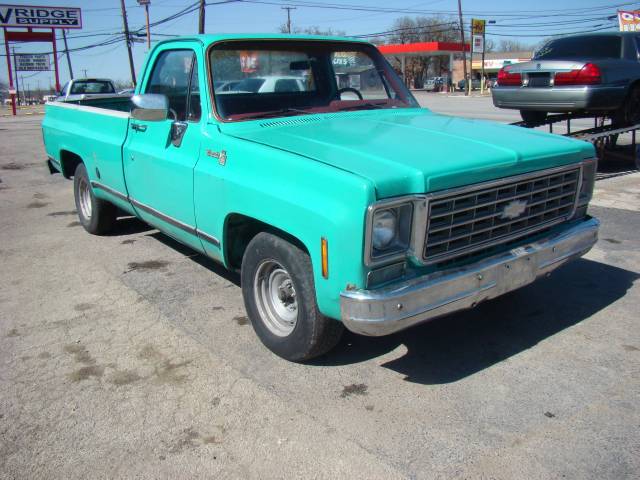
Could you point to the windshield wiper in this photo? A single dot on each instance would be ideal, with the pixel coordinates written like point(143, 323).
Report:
point(272, 113)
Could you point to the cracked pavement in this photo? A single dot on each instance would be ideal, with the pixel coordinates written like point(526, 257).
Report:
point(131, 356)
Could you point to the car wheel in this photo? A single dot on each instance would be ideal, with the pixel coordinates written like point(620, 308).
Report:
point(97, 216)
point(279, 295)
point(629, 113)
point(533, 118)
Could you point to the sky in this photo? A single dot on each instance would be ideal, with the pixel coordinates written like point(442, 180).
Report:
point(527, 21)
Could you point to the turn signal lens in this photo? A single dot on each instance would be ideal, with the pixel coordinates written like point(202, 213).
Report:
point(509, 79)
point(588, 75)
point(324, 253)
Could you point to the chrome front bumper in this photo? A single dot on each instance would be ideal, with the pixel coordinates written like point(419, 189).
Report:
point(402, 305)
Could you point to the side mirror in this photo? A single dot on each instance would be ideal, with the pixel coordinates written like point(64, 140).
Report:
point(152, 107)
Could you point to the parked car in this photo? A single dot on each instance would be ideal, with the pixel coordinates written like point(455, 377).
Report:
point(78, 88)
point(435, 84)
point(269, 84)
point(475, 84)
point(127, 91)
point(596, 73)
point(370, 213)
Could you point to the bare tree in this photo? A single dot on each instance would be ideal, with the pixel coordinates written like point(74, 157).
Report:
point(313, 30)
point(514, 46)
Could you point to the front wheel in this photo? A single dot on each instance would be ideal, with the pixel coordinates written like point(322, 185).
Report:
point(97, 216)
point(279, 295)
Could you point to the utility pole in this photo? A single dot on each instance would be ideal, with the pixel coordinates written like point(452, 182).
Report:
point(15, 72)
point(128, 40)
point(84, 70)
point(288, 9)
point(464, 53)
point(145, 4)
point(201, 17)
point(66, 50)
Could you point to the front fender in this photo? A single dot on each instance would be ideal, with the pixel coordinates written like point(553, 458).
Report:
point(304, 198)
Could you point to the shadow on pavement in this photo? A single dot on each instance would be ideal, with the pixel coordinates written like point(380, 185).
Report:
point(451, 348)
point(199, 258)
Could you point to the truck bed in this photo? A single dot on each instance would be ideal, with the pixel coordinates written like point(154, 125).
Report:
point(93, 129)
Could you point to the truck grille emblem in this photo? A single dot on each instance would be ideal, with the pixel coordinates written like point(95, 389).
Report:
point(514, 209)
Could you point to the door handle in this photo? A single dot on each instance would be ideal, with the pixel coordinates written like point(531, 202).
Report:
point(138, 127)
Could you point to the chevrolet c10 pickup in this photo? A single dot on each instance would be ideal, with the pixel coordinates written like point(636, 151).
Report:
point(306, 165)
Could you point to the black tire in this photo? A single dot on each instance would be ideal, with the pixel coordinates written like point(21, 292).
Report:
point(533, 117)
point(629, 112)
point(97, 216)
point(312, 334)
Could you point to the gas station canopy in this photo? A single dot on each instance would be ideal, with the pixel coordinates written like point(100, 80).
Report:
point(421, 49)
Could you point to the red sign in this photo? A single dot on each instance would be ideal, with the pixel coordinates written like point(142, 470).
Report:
point(248, 61)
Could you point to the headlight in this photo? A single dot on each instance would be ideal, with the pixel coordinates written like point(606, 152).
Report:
point(384, 229)
point(388, 230)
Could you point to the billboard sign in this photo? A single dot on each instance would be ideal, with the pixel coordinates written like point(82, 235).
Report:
point(32, 63)
point(40, 17)
point(629, 21)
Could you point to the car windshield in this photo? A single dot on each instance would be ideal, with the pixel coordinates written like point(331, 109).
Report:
point(91, 86)
point(587, 46)
point(273, 78)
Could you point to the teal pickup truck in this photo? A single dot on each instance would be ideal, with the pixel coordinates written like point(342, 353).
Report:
point(305, 164)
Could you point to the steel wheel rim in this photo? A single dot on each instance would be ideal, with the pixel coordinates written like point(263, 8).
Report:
point(275, 298)
point(84, 195)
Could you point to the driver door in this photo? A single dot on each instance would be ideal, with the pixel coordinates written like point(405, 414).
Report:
point(159, 169)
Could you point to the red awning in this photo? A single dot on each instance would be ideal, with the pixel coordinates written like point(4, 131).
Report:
point(423, 48)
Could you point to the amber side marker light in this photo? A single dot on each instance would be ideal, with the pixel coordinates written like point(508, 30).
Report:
point(324, 253)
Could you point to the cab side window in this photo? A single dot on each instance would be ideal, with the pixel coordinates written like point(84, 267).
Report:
point(171, 76)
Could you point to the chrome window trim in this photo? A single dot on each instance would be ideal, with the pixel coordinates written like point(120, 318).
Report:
point(158, 214)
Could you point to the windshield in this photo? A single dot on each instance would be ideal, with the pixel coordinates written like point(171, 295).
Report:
point(588, 46)
point(91, 86)
point(258, 79)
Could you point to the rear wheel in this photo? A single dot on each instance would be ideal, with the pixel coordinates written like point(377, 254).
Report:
point(279, 295)
point(629, 113)
point(97, 216)
point(533, 117)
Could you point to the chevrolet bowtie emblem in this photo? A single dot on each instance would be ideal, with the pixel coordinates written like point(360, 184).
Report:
point(514, 209)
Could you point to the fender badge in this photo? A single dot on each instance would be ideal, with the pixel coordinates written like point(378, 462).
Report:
point(221, 156)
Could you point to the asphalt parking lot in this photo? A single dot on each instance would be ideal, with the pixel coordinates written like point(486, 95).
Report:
point(130, 356)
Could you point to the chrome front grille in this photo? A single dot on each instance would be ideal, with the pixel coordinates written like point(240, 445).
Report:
point(466, 220)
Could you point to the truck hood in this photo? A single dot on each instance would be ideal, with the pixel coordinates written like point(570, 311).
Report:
point(413, 150)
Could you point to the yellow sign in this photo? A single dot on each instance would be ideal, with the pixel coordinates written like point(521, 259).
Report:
point(477, 26)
